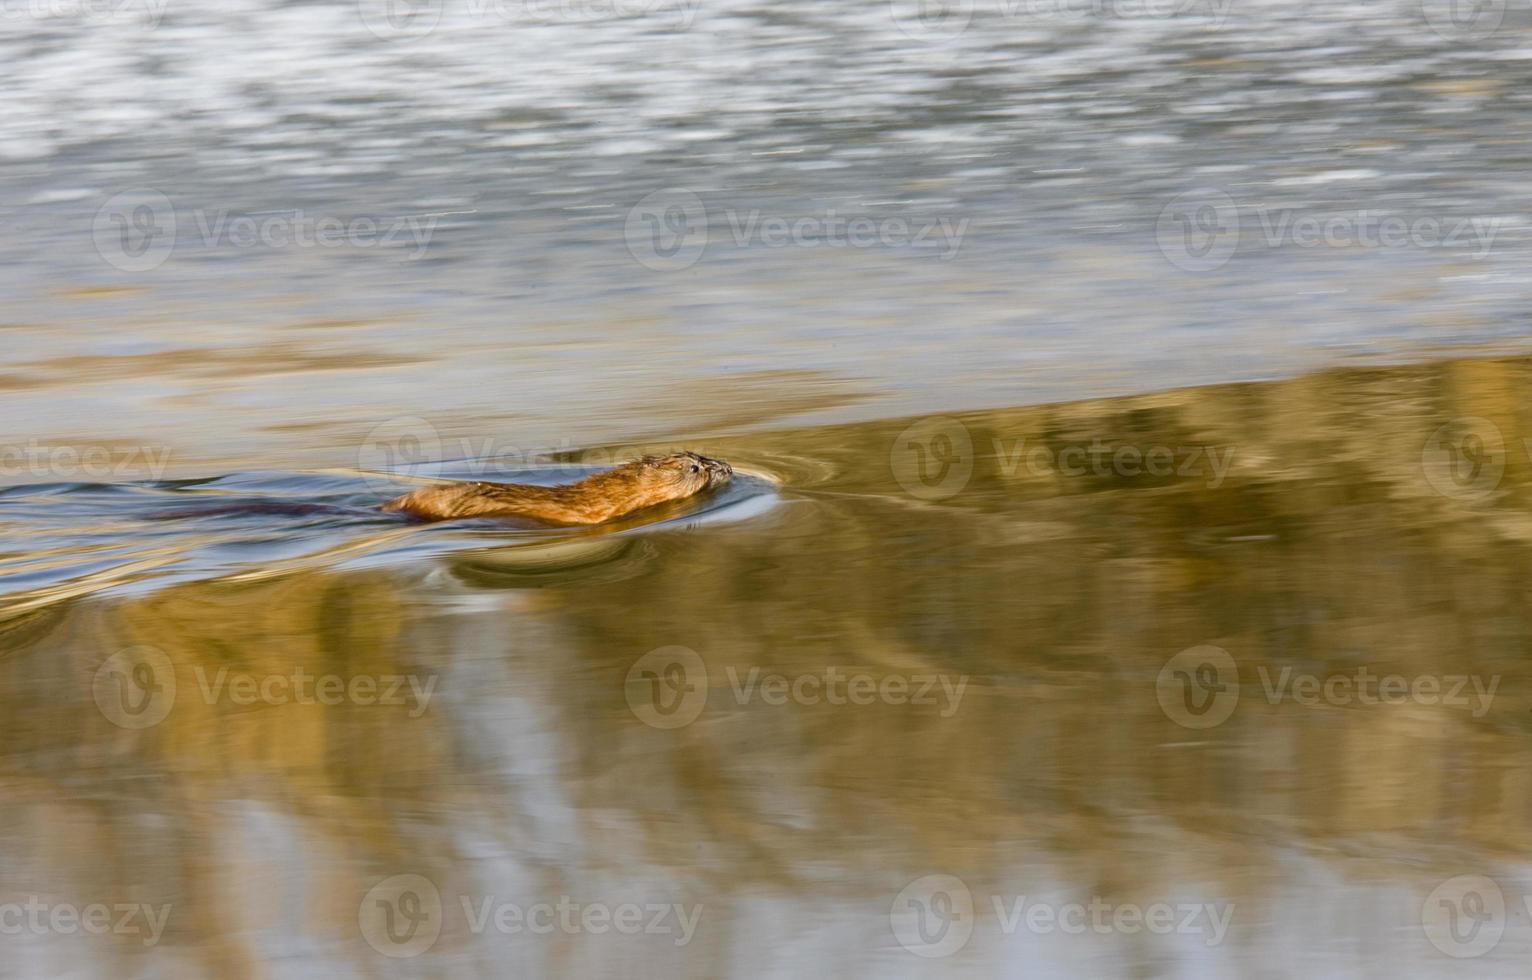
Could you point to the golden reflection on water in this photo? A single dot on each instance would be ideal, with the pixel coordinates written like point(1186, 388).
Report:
point(1328, 526)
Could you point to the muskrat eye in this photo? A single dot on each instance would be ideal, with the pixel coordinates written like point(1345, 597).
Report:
point(694, 467)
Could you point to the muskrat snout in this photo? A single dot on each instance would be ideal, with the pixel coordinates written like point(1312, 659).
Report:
point(718, 472)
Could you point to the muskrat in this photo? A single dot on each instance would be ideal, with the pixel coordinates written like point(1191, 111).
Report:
point(601, 497)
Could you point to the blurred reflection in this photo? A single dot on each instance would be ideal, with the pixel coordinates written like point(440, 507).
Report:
point(760, 740)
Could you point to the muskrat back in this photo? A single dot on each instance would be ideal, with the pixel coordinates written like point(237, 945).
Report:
point(604, 496)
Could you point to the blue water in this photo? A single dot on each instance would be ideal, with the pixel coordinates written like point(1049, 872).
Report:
point(72, 539)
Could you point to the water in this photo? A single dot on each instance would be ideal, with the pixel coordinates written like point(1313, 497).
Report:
point(83, 538)
point(941, 647)
point(511, 151)
point(1100, 462)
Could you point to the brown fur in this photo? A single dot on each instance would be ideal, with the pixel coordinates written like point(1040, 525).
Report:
point(601, 497)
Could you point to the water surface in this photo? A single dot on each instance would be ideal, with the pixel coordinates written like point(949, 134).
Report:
point(595, 723)
point(1046, 144)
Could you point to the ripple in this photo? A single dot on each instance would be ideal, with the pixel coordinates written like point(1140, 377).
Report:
point(90, 537)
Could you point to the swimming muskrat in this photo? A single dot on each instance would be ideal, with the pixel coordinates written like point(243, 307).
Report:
point(613, 493)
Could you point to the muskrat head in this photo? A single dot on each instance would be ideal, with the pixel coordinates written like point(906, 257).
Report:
point(679, 475)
